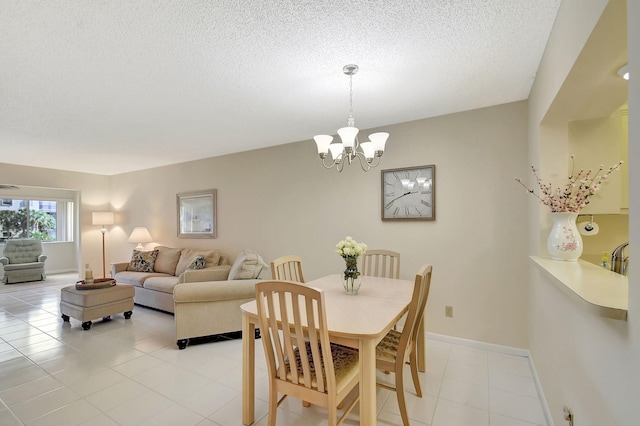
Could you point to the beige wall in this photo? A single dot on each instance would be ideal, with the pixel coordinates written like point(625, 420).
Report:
point(585, 362)
point(281, 201)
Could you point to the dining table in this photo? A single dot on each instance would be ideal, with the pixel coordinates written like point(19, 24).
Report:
point(358, 321)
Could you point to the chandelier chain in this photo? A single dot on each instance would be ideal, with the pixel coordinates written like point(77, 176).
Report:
point(351, 95)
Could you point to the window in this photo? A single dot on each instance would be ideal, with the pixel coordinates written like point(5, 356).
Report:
point(46, 220)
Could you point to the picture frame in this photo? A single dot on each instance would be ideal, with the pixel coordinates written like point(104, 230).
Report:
point(196, 212)
point(408, 193)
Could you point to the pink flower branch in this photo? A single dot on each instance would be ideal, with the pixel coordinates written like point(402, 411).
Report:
point(575, 194)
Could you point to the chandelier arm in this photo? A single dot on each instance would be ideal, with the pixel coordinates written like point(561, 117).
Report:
point(363, 161)
point(374, 162)
point(333, 163)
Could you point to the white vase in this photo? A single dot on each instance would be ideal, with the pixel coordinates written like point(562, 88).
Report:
point(564, 242)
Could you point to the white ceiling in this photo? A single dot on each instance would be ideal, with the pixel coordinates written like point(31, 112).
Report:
point(113, 86)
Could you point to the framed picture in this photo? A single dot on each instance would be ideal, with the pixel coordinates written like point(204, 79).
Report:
point(408, 193)
point(197, 214)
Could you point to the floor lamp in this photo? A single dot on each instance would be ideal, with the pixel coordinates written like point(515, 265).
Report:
point(103, 219)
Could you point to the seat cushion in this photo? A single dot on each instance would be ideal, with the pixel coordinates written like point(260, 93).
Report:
point(345, 364)
point(21, 266)
point(387, 349)
point(162, 284)
point(136, 278)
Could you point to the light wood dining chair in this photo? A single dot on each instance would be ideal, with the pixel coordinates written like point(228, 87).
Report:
point(287, 268)
point(381, 263)
point(399, 347)
point(319, 372)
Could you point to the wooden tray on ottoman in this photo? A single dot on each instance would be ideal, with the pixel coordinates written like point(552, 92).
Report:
point(97, 283)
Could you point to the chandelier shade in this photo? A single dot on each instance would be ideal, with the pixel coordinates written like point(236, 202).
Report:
point(349, 148)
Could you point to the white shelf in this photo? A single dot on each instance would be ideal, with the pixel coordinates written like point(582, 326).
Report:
point(601, 291)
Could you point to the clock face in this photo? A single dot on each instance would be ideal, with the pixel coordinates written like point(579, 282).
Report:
point(408, 193)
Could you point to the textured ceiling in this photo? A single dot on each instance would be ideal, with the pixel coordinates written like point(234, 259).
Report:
point(111, 86)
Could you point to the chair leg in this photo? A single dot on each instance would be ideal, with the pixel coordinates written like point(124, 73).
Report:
point(333, 416)
point(414, 373)
point(306, 404)
point(273, 407)
point(400, 394)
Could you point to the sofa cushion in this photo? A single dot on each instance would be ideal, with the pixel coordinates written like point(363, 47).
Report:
point(137, 279)
point(248, 265)
point(142, 261)
point(211, 257)
point(167, 260)
point(162, 284)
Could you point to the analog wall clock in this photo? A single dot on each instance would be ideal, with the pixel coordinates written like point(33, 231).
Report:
point(409, 193)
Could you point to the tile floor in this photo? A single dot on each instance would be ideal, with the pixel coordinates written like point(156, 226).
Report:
point(130, 372)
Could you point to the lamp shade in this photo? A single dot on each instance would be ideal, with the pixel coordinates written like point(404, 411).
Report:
point(140, 234)
point(102, 218)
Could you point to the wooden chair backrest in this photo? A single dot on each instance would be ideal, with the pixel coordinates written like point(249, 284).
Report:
point(381, 263)
point(289, 313)
point(287, 268)
point(418, 303)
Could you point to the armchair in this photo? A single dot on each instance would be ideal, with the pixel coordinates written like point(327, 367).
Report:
point(23, 261)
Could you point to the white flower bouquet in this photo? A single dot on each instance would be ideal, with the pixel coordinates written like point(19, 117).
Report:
point(350, 248)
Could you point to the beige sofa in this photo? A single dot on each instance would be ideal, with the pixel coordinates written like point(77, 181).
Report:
point(204, 301)
point(212, 307)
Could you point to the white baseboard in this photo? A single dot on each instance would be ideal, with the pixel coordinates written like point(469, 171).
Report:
point(508, 350)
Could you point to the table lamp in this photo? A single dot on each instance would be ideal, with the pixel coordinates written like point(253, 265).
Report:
point(103, 219)
point(140, 235)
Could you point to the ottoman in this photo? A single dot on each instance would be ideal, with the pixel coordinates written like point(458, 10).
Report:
point(86, 305)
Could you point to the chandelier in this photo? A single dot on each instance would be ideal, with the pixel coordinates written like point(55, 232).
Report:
point(345, 152)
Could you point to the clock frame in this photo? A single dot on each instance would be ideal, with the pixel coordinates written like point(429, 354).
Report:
point(408, 193)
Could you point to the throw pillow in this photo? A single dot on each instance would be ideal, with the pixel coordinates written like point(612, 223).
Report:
point(198, 263)
point(248, 265)
point(167, 260)
point(211, 258)
point(142, 261)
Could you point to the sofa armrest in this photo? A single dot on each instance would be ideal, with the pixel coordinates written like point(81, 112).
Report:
point(214, 291)
point(4, 260)
point(213, 273)
point(118, 267)
point(42, 258)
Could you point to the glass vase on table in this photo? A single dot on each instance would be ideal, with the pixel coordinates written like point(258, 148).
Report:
point(351, 279)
